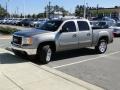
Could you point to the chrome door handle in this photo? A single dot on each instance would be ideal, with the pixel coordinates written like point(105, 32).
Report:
point(88, 34)
point(74, 35)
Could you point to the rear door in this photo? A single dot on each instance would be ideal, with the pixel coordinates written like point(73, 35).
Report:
point(68, 38)
point(84, 34)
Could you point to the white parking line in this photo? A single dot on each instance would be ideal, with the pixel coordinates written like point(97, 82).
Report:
point(86, 60)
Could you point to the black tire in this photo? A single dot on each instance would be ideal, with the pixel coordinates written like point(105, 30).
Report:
point(101, 46)
point(44, 54)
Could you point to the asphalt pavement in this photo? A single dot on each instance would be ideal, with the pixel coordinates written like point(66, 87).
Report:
point(98, 69)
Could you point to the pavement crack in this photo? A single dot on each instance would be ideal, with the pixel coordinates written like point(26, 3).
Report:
point(13, 81)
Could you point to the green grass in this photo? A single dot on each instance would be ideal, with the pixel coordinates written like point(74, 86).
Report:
point(7, 30)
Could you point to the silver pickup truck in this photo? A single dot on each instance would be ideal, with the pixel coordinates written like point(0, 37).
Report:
point(60, 35)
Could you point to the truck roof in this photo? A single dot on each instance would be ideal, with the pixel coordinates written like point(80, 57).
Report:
point(71, 20)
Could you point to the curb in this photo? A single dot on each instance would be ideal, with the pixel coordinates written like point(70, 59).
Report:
point(69, 78)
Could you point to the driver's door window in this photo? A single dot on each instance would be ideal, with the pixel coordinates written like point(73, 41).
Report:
point(69, 27)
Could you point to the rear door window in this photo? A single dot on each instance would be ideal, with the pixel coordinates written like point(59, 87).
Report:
point(83, 26)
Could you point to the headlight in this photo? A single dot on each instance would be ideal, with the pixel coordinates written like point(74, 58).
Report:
point(27, 40)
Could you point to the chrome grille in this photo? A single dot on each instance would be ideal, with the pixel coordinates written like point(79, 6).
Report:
point(17, 40)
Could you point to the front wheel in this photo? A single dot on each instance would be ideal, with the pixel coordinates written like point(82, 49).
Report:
point(44, 54)
point(101, 47)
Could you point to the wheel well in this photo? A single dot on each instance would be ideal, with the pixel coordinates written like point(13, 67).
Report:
point(105, 38)
point(51, 43)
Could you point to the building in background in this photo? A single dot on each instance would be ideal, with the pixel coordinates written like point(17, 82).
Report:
point(56, 15)
point(109, 12)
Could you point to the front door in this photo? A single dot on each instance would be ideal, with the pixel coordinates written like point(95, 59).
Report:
point(68, 38)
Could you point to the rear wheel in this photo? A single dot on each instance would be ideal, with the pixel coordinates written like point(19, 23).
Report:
point(101, 47)
point(44, 54)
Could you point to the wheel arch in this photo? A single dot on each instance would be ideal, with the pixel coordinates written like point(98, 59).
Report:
point(105, 38)
point(51, 43)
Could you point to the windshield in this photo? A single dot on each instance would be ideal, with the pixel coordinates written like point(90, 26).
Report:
point(51, 25)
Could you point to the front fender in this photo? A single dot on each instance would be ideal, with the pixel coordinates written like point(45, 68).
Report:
point(44, 38)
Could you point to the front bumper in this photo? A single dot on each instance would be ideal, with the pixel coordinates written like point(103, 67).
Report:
point(20, 49)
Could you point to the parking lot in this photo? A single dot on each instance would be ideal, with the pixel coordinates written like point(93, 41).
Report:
point(49, 46)
point(99, 69)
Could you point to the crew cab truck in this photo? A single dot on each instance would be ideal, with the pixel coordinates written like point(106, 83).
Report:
point(60, 35)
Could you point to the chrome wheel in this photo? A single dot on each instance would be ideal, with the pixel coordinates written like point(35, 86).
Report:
point(102, 47)
point(48, 56)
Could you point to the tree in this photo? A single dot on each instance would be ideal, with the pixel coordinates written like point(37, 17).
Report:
point(41, 15)
point(21, 16)
point(63, 11)
point(56, 8)
point(3, 12)
point(33, 16)
point(79, 10)
point(51, 9)
point(116, 7)
point(28, 16)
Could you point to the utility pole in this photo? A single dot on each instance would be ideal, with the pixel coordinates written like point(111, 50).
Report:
point(7, 15)
point(49, 7)
point(45, 13)
point(18, 11)
point(97, 9)
point(87, 10)
point(24, 7)
point(14, 15)
point(6, 10)
point(84, 9)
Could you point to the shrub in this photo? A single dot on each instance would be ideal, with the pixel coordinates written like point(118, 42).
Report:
point(7, 30)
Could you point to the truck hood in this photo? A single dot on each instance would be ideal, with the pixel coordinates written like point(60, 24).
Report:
point(31, 32)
